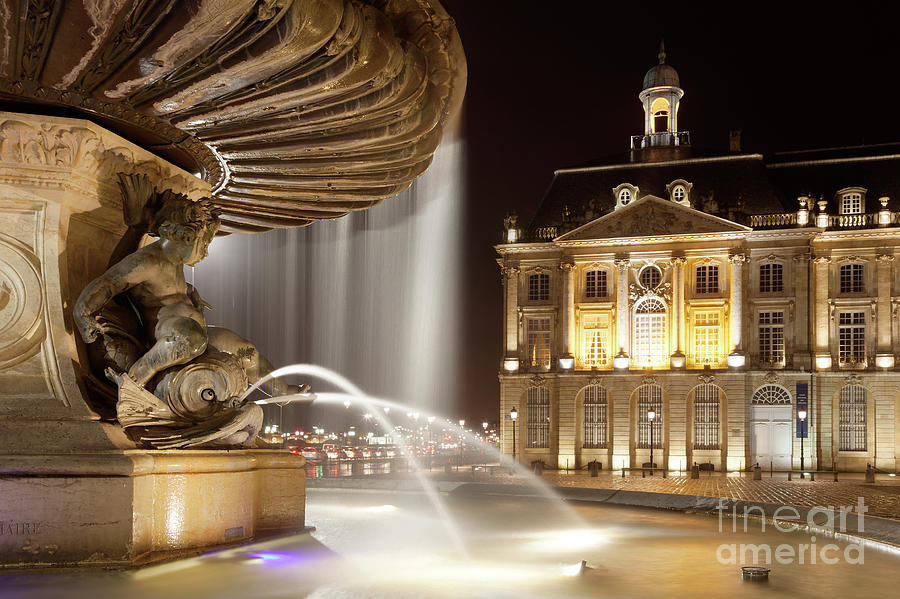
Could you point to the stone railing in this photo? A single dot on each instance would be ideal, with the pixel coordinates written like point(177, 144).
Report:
point(542, 234)
point(666, 138)
point(852, 220)
point(773, 220)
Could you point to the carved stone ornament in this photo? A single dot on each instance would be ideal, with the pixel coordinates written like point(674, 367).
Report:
point(595, 380)
point(649, 380)
point(706, 379)
point(21, 302)
point(537, 381)
point(853, 379)
point(737, 258)
point(885, 258)
point(805, 257)
point(772, 378)
point(622, 263)
point(182, 385)
point(821, 260)
point(566, 266)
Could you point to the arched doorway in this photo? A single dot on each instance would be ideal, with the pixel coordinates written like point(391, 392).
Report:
point(771, 424)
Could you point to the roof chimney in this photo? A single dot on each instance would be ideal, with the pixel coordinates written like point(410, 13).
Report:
point(734, 140)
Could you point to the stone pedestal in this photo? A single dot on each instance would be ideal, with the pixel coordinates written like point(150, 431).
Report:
point(74, 488)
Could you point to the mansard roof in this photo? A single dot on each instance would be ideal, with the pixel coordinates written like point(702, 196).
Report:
point(738, 185)
point(651, 216)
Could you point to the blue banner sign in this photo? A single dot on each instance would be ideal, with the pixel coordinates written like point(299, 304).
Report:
point(803, 404)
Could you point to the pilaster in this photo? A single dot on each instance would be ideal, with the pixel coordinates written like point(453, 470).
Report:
point(622, 329)
point(884, 355)
point(821, 312)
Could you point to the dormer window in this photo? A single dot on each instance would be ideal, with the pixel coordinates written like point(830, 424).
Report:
point(852, 200)
point(625, 194)
point(679, 192)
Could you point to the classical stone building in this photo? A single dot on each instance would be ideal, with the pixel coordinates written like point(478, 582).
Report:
point(725, 293)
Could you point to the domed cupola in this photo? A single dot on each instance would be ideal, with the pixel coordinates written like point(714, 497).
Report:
point(660, 97)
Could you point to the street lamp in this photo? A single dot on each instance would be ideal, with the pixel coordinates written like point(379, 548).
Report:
point(513, 414)
point(462, 423)
point(801, 414)
point(651, 416)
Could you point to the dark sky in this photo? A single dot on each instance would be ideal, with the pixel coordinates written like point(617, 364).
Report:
point(555, 84)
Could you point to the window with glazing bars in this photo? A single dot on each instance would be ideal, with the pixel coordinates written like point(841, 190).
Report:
point(771, 278)
point(706, 417)
point(852, 278)
point(771, 337)
point(538, 339)
point(851, 203)
point(596, 340)
point(539, 287)
point(650, 348)
point(595, 283)
point(649, 397)
point(853, 418)
point(706, 338)
point(707, 279)
point(594, 417)
point(538, 417)
point(852, 338)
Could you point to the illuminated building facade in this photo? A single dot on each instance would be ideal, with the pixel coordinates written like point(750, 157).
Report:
point(727, 294)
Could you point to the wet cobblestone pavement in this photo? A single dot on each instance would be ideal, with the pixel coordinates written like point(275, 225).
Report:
point(881, 497)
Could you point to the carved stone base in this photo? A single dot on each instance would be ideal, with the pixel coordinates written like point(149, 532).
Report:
point(137, 506)
point(73, 487)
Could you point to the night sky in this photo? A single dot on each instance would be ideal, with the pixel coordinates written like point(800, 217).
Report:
point(555, 84)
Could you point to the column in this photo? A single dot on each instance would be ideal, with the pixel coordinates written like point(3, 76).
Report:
point(802, 358)
point(821, 310)
point(884, 354)
point(736, 357)
point(567, 359)
point(620, 362)
point(678, 359)
point(511, 318)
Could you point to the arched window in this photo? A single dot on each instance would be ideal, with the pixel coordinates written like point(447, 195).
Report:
point(771, 395)
point(678, 193)
point(707, 400)
point(659, 112)
point(624, 196)
point(650, 347)
point(649, 398)
point(852, 422)
point(595, 411)
point(538, 405)
point(650, 277)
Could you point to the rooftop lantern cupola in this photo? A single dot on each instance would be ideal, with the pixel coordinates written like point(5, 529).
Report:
point(660, 97)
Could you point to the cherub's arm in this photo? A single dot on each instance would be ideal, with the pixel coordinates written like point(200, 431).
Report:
point(120, 277)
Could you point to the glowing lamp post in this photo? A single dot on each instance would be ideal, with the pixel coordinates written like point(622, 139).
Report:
point(801, 414)
point(651, 416)
point(513, 414)
point(462, 423)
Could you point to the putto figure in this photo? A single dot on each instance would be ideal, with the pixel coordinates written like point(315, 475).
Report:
point(179, 382)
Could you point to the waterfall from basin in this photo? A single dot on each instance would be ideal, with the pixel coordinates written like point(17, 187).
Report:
point(372, 295)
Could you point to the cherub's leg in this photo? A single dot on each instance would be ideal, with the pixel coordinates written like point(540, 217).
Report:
point(179, 340)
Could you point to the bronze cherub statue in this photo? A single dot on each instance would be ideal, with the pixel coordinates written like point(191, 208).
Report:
point(179, 381)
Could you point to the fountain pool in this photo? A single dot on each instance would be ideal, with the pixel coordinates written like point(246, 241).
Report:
point(378, 544)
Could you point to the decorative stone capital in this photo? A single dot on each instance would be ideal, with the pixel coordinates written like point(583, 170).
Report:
point(737, 258)
point(805, 257)
point(678, 260)
point(884, 258)
point(622, 262)
point(820, 260)
point(566, 265)
point(510, 271)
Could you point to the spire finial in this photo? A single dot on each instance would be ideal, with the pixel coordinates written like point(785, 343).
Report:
point(662, 51)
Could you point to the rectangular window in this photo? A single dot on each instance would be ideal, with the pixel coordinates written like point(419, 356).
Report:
point(771, 337)
point(852, 338)
point(852, 278)
point(538, 421)
point(595, 283)
point(594, 417)
point(707, 333)
point(596, 340)
point(851, 203)
point(853, 418)
point(706, 417)
point(707, 279)
point(538, 337)
point(539, 287)
point(771, 278)
point(649, 398)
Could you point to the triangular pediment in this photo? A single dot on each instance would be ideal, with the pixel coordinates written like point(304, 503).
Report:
point(651, 216)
